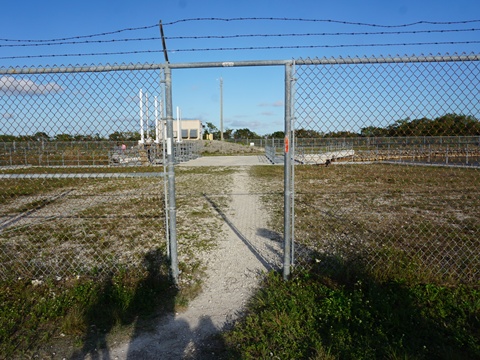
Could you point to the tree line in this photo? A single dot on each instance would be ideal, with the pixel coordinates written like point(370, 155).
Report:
point(446, 125)
point(229, 134)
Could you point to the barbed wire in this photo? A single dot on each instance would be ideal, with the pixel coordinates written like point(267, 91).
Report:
point(83, 36)
point(422, 22)
point(238, 36)
point(80, 40)
point(80, 54)
point(283, 47)
point(320, 34)
point(326, 46)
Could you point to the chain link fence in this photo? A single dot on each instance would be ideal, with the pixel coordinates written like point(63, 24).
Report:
point(389, 150)
point(81, 170)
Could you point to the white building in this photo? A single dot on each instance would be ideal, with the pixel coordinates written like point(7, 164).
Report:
point(190, 129)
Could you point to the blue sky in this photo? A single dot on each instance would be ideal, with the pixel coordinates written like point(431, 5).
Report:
point(253, 97)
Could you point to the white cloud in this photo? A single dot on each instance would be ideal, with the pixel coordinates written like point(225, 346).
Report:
point(278, 103)
point(10, 85)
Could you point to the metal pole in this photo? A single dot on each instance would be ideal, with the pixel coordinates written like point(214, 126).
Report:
point(287, 174)
point(292, 157)
point(162, 35)
point(163, 135)
point(171, 176)
point(221, 109)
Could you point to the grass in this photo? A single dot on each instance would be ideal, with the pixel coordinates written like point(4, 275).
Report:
point(427, 214)
point(356, 317)
point(340, 304)
point(99, 225)
point(107, 238)
point(366, 285)
point(83, 267)
point(13, 189)
point(80, 310)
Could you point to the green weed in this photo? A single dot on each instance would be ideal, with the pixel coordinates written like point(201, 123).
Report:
point(358, 319)
point(32, 313)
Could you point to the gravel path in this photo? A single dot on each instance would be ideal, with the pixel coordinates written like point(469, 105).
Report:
point(246, 250)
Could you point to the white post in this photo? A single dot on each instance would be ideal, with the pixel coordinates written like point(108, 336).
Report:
point(179, 126)
point(147, 127)
point(164, 123)
point(142, 136)
point(157, 130)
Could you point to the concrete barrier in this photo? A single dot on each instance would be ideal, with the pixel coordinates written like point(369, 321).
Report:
point(322, 158)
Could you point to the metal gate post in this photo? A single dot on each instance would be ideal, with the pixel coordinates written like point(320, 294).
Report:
point(171, 176)
point(287, 226)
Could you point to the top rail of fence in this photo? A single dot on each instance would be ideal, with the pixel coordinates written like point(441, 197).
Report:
point(136, 67)
point(245, 63)
point(388, 59)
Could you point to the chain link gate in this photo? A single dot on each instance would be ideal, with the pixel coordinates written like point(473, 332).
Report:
point(387, 166)
point(83, 169)
point(389, 149)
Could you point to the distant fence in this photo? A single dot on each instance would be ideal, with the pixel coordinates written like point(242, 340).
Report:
point(88, 153)
point(448, 150)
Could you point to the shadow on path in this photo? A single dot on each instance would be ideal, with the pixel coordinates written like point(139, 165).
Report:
point(242, 237)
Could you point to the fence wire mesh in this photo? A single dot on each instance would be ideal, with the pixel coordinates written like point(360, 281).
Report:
point(390, 166)
point(79, 194)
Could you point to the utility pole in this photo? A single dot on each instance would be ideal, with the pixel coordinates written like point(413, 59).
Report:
point(221, 109)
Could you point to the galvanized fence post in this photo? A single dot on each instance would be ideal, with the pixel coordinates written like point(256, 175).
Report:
point(171, 176)
point(287, 174)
